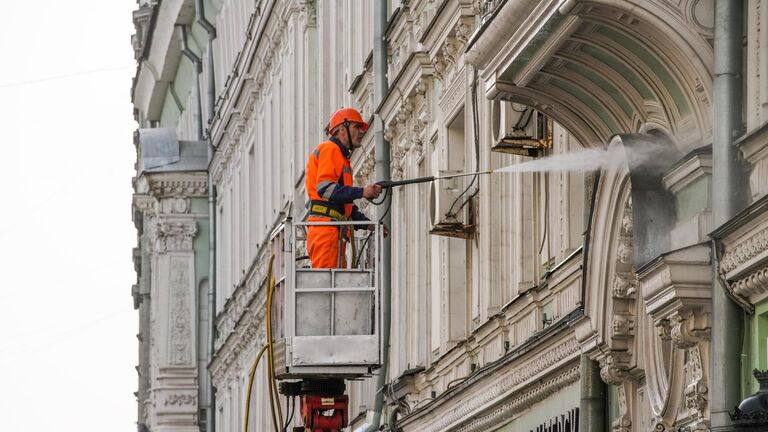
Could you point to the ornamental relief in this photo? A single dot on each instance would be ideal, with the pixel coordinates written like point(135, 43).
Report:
point(617, 356)
point(408, 128)
point(180, 332)
point(525, 391)
point(448, 57)
point(744, 251)
point(180, 399)
point(161, 188)
point(173, 237)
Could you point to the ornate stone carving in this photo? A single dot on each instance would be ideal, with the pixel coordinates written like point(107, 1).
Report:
point(180, 399)
point(697, 391)
point(664, 329)
point(397, 164)
point(464, 28)
point(614, 368)
point(521, 374)
point(175, 205)
point(688, 328)
point(519, 403)
point(180, 334)
point(754, 283)
point(623, 325)
point(745, 251)
point(624, 285)
point(173, 236)
point(174, 187)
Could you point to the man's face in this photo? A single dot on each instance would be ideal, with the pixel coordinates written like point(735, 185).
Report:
point(357, 135)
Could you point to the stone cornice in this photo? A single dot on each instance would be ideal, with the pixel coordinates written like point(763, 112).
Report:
point(542, 390)
point(743, 244)
point(696, 166)
point(176, 184)
point(675, 278)
point(490, 389)
point(745, 251)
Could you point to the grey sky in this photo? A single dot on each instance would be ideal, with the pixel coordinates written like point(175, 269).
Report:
point(66, 320)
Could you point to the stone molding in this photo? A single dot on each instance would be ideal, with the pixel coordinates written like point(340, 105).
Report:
point(746, 250)
point(167, 185)
point(541, 391)
point(500, 389)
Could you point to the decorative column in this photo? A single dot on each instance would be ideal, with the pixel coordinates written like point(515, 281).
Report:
point(173, 227)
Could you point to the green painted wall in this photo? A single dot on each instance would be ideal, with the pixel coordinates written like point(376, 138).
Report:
point(693, 198)
point(170, 115)
point(755, 351)
point(556, 404)
point(200, 243)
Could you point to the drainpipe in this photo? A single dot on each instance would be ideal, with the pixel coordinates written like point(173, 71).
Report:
point(211, 30)
point(210, 404)
point(382, 167)
point(729, 196)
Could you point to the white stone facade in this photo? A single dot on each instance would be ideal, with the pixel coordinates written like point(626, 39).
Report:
point(490, 325)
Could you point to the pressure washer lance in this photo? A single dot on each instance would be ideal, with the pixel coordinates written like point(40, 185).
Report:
point(389, 183)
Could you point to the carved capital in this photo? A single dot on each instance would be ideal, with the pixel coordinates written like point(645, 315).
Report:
point(688, 329)
point(173, 236)
point(614, 368)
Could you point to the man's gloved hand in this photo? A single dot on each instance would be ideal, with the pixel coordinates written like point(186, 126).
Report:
point(372, 191)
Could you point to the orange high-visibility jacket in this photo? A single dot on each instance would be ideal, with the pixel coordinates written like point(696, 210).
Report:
point(329, 179)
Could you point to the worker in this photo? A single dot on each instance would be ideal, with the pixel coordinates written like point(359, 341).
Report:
point(331, 193)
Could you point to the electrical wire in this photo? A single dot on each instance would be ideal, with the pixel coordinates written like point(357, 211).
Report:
point(250, 387)
point(519, 126)
point(365, 242)
point(476, 137)
point(291, 410)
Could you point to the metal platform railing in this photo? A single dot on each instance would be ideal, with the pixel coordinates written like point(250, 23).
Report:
point(329, 318)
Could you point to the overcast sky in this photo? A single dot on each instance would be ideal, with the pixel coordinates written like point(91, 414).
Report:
point(67, 325)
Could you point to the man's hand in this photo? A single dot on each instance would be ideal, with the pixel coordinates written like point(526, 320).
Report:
point(384, 229)
point(372, 191)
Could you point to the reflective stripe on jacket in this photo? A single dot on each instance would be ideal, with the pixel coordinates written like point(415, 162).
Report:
point(329, 177)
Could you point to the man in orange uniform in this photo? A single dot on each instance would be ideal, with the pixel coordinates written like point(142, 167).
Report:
point(330, 190)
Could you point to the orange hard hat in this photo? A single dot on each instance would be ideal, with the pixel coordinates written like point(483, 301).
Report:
point(346, 114)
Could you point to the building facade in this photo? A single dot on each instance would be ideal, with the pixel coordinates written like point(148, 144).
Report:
point(582, 295)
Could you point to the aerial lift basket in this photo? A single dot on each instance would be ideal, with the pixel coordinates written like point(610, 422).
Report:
point(328, 321)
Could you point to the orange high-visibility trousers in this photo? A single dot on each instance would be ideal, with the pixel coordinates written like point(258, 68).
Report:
point(323, 246)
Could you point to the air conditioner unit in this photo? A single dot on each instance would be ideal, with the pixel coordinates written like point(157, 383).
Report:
point(446, 217)
point(520, 132)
